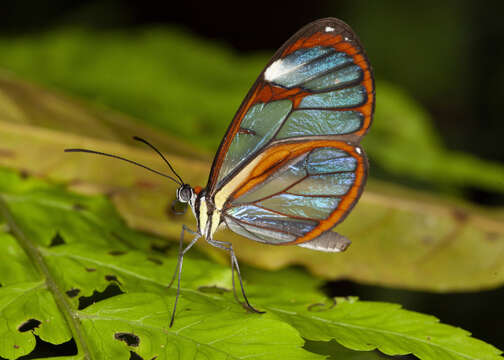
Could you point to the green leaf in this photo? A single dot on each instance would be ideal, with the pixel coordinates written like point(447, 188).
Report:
point(75, 269)
point(65, 286)
point(209, 328)
point(365, 326)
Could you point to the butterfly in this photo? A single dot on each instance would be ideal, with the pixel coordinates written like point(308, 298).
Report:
point(289, 167)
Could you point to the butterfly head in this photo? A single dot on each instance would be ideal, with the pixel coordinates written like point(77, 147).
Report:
point(185, 193)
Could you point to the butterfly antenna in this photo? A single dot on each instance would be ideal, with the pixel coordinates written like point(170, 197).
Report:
point(127, 160)
point(159, 153)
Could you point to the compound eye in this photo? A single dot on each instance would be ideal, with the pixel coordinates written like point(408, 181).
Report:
point(185, 194)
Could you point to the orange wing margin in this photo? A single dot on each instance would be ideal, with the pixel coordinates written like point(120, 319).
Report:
point(277, 156)
point(342, 39)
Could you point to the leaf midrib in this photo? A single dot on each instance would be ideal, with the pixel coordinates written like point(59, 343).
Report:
point(34, 254)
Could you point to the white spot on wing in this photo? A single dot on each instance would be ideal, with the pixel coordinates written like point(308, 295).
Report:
point(358, 149)
point(329, 29)
point(277, 69)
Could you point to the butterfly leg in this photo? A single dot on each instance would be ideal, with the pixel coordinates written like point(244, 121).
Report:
point(181, 252)
point(178, 269)
point(225, 245)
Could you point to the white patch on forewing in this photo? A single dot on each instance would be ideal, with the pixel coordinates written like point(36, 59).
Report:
point(277, 69)
point(329, 29)
point(224, 192)
point(358, 149)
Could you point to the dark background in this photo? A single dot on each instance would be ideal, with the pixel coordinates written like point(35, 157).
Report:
point(458, 80)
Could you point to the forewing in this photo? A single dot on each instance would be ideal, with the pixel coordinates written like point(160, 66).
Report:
point(319, 84)
point(294, 192)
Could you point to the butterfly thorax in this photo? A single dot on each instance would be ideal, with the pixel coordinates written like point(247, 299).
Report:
point(208, 217)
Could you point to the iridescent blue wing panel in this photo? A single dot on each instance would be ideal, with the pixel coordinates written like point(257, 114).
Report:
point(320, 122)
point(295, 199)
point(319, 84)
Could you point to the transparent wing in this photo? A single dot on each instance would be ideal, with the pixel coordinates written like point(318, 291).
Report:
point(319, 84)
point(295, 192)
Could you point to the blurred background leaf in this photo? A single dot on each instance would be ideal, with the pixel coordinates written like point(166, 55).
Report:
point(162, 76)
point(185, 67)
point(452, 245)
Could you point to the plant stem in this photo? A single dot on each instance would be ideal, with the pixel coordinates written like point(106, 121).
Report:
point(36, 257)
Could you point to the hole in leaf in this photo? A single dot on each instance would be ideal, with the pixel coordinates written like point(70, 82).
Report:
point(44, 349)
point(129, 338)
point(57, 240)
point(110, 291)
point(135, 356)
point(213, 290)
point(90, 269)
point(73, 292)
point(79, 207)
point(29, 325)
point(317, 307)
point(112, 278)
point(24, 173)
point(155, 261)
point(336, 351)
point(161, 248)
point(116, 252)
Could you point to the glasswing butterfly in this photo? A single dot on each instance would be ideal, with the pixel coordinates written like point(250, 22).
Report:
point(289, 167)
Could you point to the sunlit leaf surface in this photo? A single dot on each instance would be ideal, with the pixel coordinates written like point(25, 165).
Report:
point(72, 272)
